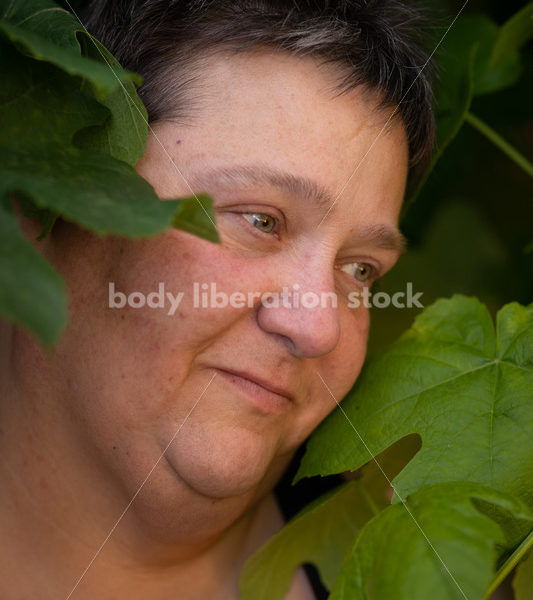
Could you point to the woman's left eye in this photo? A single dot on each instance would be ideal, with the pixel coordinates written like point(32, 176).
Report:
point(264, 223)
point(359, 270)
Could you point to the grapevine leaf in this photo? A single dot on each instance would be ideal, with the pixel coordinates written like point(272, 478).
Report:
point(450, 113)
point(322, 534)
point(41, 110)
point(437, 546)
point(124, 134)
point(488, 75)
point(32, 293)
point(46, 32)
point(466, 390)
point(196, 216)
point(513, 35)
point(40, 105)
point(95, 191)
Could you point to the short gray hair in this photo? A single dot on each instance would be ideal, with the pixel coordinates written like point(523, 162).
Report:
point(375, 43)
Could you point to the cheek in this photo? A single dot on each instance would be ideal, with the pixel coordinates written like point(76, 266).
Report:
point(345, 363)
point(338, 370)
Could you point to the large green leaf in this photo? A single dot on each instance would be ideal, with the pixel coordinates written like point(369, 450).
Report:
point(321, 534)
point(452, 107)
point(46, 32)
point(512, 36)
point(438, 546)
point(40, 105)
point(45, 104)
point(464, 388)
point(32, 293)
point(124, 134)
point(95, 191)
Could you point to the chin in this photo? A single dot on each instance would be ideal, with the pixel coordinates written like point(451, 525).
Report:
point(222, 464)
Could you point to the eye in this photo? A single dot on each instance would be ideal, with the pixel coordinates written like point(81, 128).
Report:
point(264, 223)
point(360, 270)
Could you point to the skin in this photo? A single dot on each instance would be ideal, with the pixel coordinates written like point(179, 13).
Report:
point(79, 435)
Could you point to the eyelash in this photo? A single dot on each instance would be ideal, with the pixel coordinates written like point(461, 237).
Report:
point(374, 271)
point(372, 278)
point(273, 232)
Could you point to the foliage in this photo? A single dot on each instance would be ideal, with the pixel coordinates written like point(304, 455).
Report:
point(72, 127)
point(466, 390)
point(461, 514)
point(460, 519)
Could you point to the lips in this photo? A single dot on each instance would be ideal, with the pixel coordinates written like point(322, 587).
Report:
point(261, 381)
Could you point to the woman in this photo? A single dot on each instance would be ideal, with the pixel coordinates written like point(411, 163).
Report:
point(139, 457)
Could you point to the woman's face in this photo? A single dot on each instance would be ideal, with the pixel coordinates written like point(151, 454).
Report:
point(305, 185)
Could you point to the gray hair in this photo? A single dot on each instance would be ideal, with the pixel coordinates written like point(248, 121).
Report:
point(377, 44)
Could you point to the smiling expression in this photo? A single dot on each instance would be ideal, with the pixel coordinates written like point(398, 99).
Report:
point(299, 199)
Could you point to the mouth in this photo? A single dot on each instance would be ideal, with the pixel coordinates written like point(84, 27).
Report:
point(266, 396)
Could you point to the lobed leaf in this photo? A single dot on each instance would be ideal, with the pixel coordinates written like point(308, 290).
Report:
point(465, 388)
point(44, 31)
point(437, 546)
point(321, 534)
point(124, 134)
point(32, 293)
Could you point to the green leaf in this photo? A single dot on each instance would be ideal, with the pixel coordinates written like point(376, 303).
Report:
point(44, 31)
point(95, 191)
point(477, 57)
point(513, 35)
point(523, 580)
point(32, 293)
point(464, 388)
point(44, 18)
point(124, 134)
point(437, 546)
point(452, 107)
point(42, 109)
point(40, 105)
point(321, 534)
point(196, 216)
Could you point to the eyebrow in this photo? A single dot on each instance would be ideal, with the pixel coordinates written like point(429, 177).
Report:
point(381, 236)
point(384, 237)
point(250, 175)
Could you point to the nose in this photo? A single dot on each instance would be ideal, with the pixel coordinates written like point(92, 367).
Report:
point(303, 310)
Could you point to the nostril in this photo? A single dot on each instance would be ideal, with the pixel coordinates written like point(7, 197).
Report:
point(308, 331)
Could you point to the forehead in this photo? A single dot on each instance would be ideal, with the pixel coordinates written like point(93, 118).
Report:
point(285, 113)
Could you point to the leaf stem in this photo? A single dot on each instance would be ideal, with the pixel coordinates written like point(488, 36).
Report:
point(510, 564)
point(501, 143)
